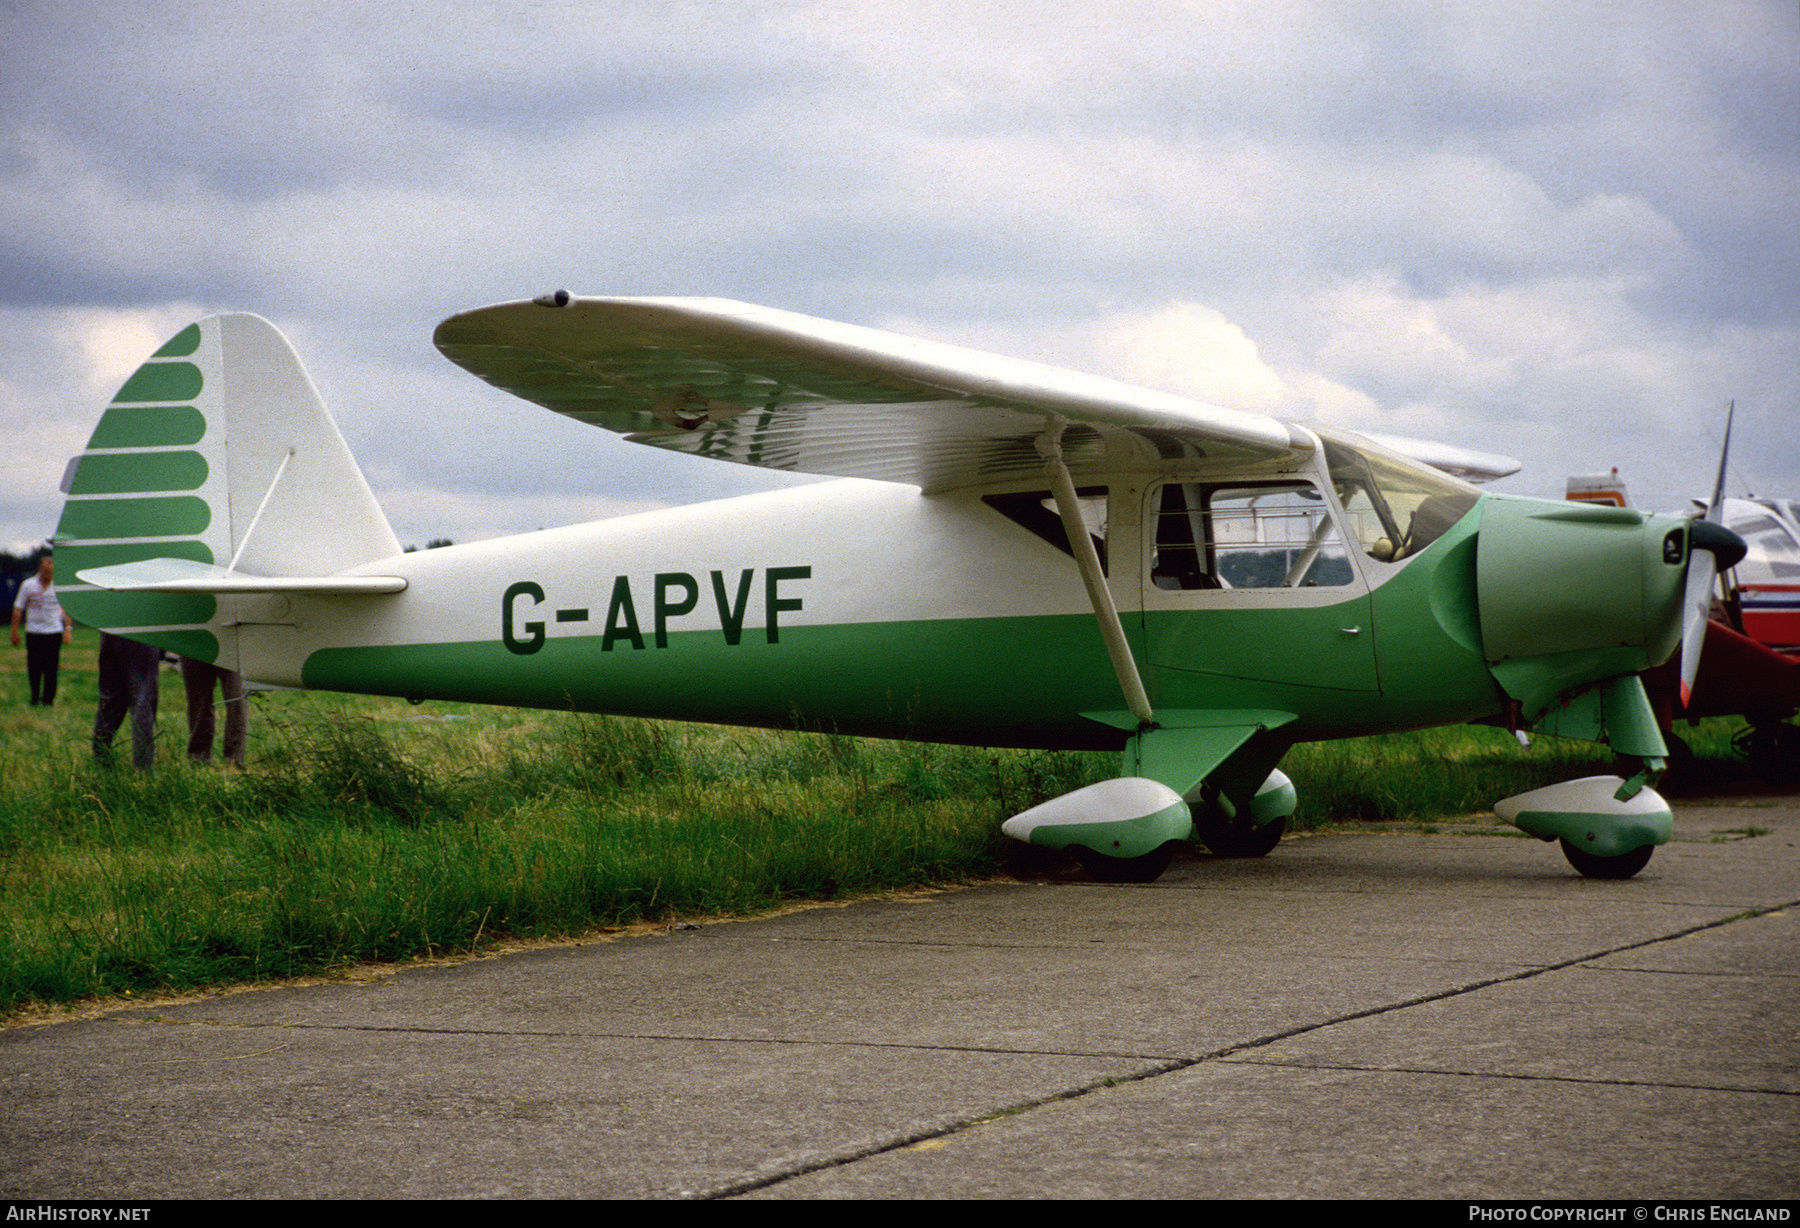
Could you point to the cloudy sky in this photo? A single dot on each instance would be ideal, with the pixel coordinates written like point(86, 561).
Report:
point(1564, 231)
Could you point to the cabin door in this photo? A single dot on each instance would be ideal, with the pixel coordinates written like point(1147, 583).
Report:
point(1249, 584)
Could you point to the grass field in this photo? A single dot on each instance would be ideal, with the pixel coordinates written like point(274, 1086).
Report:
point(368, 829)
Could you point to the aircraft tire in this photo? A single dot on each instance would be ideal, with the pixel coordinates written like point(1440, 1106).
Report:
point(1622, 866)
point(1231, 840)
point(1772, 749)
point(1145, 869)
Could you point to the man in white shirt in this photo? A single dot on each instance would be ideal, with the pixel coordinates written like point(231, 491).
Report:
point(47, 629)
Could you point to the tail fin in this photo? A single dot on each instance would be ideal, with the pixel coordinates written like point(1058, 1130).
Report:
point(217, 455)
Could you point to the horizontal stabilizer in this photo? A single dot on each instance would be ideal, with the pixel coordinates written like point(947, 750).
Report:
point(187, 576)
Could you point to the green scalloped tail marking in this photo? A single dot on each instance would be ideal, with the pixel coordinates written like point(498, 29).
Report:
point(154, 426)
point(187, 642)
point(124, 473)
point(181, 344)
point(162, 381)
point(71, 561)
point(177, 516)
point(97, 607)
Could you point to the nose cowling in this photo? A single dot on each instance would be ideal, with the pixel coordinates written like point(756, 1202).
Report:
point(1571, 594)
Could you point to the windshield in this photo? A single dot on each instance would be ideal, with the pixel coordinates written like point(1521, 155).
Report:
point(1395, 507)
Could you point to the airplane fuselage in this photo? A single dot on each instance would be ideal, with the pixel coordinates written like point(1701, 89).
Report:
point(867, 608)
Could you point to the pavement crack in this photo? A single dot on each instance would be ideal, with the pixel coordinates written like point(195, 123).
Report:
point(1358, 1068)
point(1721, 974)
point(679, 1039)
point(1176, 1065)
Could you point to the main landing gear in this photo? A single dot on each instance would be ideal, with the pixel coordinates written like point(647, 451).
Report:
point(1225, 839)
point(1622, 866)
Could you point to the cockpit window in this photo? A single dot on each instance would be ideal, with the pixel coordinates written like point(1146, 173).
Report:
point(1395, 507)
point(1263, 535)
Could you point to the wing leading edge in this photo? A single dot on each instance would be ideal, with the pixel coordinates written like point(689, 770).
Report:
point(759, 386)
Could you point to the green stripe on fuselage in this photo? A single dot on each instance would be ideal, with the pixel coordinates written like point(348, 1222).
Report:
point(987, 681)
point(994, 681)
point(1297, 645)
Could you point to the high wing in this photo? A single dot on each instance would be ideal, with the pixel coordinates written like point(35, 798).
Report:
point(781, 390)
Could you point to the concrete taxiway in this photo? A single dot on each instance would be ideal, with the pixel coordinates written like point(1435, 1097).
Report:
point(1411, 1015)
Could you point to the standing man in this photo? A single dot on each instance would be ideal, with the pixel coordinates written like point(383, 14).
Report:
point(199, 678)
point(47, 628)
point(128, 687)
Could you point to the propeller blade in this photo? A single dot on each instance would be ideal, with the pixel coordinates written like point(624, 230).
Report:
point(1716, 512)
point(1712, 548)
point(1696, 607)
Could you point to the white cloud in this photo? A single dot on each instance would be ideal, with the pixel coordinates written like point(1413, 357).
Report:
point(114, 343)
point(1194, 350)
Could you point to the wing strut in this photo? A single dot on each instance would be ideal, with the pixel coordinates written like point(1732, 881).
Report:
point(1049, 446)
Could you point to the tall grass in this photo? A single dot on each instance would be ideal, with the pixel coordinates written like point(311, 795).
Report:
point(365, 829)
point(1428, 774)
point(1435, 773)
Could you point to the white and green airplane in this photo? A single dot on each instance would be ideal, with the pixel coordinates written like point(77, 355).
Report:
point(1019, 555)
